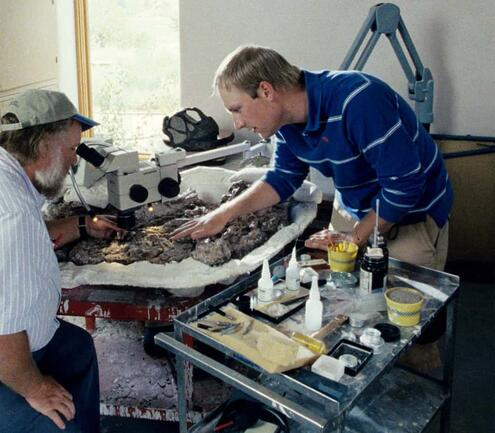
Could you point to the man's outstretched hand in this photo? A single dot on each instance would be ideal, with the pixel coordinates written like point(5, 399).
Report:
point(203, 227)
point(103, 227)
point(325, 238)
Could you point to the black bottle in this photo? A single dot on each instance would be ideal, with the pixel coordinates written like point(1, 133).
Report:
point(373, 271)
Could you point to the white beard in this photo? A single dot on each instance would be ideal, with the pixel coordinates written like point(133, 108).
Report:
point(50, 181)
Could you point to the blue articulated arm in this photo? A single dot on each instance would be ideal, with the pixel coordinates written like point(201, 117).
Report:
point(385, 19)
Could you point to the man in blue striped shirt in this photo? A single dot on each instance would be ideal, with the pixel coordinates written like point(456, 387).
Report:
point(349, 126)
point(48, 368)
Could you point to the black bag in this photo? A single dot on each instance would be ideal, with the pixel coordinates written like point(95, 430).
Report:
point(237, 415)
point(193, 133)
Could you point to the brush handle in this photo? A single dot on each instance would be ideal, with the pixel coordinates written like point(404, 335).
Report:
point(294, 301)
point(330, 326)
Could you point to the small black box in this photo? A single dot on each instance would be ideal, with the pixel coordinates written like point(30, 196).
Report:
point(348, 347)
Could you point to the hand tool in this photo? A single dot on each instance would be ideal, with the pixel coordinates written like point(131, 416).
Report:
point(314, 342)
point(294, 300)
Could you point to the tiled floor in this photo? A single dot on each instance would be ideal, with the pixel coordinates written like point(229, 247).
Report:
point(474, 376)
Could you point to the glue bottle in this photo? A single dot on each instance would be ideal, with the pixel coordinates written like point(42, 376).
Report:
point(314, 308)
point(265, 284)
point(292, 273)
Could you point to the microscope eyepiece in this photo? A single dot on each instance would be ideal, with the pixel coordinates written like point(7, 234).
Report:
point(89, 154)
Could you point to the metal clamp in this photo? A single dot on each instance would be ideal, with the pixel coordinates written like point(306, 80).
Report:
point(385, 19)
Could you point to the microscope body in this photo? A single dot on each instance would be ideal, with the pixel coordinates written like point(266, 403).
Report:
point(131, 183)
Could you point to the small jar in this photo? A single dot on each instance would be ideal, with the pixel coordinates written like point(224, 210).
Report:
point(373, 273)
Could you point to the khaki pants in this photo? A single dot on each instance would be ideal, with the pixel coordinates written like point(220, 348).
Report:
point(423, 243)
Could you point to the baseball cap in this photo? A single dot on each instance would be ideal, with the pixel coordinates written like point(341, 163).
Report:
point(39, 107)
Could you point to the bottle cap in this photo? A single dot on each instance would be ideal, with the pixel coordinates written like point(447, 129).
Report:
point(374, 253)
point(266, 278)
point(314, 292)
point(293, 258)
point(389, 332)
point(293, 265)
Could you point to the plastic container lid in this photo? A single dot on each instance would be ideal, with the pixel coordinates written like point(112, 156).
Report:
point(349, 360)
point(389, 332)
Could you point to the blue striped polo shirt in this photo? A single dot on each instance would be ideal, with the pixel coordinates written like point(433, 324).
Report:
point(29, 272)
point(367, 138)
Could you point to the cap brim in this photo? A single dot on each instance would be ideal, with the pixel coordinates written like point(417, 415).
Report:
point(86, 122)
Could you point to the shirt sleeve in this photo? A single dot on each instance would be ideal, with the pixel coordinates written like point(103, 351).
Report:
point(19, 277)
point(373, 122)
point(288, 172)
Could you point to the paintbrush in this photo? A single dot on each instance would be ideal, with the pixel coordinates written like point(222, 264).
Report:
point(295, 300)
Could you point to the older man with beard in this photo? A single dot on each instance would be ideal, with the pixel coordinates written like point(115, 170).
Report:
point(48, 368)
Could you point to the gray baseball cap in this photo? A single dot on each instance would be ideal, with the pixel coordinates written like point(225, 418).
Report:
point(39, 107)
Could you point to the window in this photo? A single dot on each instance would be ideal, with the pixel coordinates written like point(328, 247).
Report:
point(134, 64)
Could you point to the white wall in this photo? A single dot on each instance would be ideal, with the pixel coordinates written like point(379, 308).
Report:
point(454, 38)
point(28, 51)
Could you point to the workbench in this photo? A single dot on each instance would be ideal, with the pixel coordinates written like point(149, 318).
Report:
point(383, 397)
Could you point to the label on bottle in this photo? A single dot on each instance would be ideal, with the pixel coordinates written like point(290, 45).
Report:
point(371, 282)
point(373, 273)
point(265, 294)
point(313, 314)
point(365, 281)
point(292, 284)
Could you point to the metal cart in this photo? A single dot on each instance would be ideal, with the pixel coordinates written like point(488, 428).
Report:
point(383, 397)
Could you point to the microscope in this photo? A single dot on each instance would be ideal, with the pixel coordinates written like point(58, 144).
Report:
point(131, 183)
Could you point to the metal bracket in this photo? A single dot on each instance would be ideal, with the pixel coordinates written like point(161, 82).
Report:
point(385, 19)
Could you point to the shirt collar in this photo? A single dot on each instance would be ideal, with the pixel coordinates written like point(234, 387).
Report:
point(312, 87)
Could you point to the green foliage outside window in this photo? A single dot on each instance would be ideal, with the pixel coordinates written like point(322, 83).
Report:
point(135, 67)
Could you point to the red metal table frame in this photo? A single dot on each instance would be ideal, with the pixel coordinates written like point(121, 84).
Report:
point(131, 303)
point(127, 303)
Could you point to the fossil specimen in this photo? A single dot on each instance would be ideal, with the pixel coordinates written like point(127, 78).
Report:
point(149, 240)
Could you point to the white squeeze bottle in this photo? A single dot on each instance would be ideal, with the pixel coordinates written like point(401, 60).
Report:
point(265, 284)
point(292, 273)
point(314, 308)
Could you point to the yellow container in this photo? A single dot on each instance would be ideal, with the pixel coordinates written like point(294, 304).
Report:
point(404, 305)
point(342, 257)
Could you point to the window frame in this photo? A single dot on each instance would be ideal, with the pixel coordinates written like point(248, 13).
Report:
point(83, 64)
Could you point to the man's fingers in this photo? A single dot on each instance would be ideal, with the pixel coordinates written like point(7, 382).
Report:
point(321, 233)
point(185, 226)
point(110, 224)
point(110, 217)
point(315, 244)
point(318, 237)
point(184, 230)
point(55, 417)
point(67, 409)
point(181, 234)
point(66, 394)
point(107, 221)
point(199, 234)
